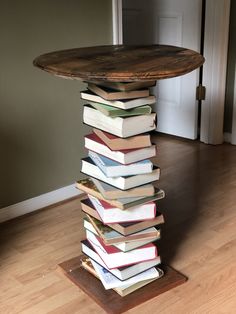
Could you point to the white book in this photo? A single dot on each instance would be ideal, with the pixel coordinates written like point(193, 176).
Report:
point(128, 246)
point(114, 257)
point(109, 281)
point(125, 245)
point(110, 214)
point(123, 183)
point(119, 126)
point(122, 273)
point(122, 104)
point(113, 168)
point(110, 192)
point(125, 157)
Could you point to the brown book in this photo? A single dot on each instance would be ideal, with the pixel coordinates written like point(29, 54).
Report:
point(110, 94)
point(88, 186)
point(125, 228)
point(86, 264)
point(118, 143)
point(126, 86)
point(110, 192)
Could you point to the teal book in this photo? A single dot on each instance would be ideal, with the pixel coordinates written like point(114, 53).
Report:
point(114, 112)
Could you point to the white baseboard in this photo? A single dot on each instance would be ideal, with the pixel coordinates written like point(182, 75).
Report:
point(227, 137)
point(32, 204)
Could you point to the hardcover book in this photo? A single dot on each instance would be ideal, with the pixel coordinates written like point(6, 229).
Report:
point(111, 94)
point(110, 192)
point(126, 86)
point(89, 187)
point(110, 214)
point(123, 273)
point(125, 157)
point(122, 103)
point(112, 237)
point(119, 126)
point(114, 112)
point(123, 183)
point(125, 228)
point(113, 168)
point(87, 265)
point(118, 143)
point(113, 257)
point(109, 281)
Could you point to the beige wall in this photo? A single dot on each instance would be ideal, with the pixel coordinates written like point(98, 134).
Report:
point(230, 70)
point(41, 131)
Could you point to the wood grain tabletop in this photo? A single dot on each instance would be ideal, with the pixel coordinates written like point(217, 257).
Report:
point(120, 63)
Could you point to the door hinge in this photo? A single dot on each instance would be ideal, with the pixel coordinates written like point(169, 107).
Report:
point(200, 92)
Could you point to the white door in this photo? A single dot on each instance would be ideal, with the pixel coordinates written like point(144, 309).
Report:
point(171, 22)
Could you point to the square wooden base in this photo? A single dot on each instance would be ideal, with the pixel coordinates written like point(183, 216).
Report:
point(109, 300)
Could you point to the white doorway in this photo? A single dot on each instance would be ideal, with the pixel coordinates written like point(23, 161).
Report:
point(178, 22)
point(170, 22)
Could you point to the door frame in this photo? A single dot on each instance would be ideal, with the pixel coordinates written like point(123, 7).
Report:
point(117, 27)
point(216, 32)
point(233, 137)
point(214, 70)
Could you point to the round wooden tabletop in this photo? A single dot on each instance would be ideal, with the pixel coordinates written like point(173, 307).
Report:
point(120, 63)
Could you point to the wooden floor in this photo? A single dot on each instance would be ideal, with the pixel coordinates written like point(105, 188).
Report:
point(199, 239)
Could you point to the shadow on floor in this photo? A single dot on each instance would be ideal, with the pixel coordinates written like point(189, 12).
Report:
point(194, 177)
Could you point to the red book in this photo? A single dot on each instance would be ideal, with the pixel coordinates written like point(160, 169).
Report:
point(114, 258)
point(126, 156)
point(110, 214)
point(117, 143)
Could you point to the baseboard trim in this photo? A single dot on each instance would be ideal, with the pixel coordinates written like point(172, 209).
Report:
point(227, 137)
point(39, 202)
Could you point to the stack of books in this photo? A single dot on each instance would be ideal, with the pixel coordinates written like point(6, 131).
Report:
point(122, 221)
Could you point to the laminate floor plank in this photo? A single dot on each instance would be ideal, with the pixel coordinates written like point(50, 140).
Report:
point(198, 239)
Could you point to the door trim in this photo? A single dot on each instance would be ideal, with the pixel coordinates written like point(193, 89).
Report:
point(214, 70)
point(233, 137)
point(117, 27)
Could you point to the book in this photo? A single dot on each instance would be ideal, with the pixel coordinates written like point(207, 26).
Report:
point(111, 94)
point(119, 126)
point(117, 143)
point(110, 214)
point(123, 183)
point(113, 257)
point(88, 186)
point(109, 281)
point(122, 104)
point(125, 157)
point(113, 168)
point(123, 273)
point(114, 112)
point(112, 237)
point(109, 192)
point(87, 265)
point(124, 228)
point(126, 86)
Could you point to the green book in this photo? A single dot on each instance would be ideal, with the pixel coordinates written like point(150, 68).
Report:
point(114, 112)
point(112, 237)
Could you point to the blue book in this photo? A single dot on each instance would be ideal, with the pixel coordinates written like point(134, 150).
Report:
point(113, 168)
